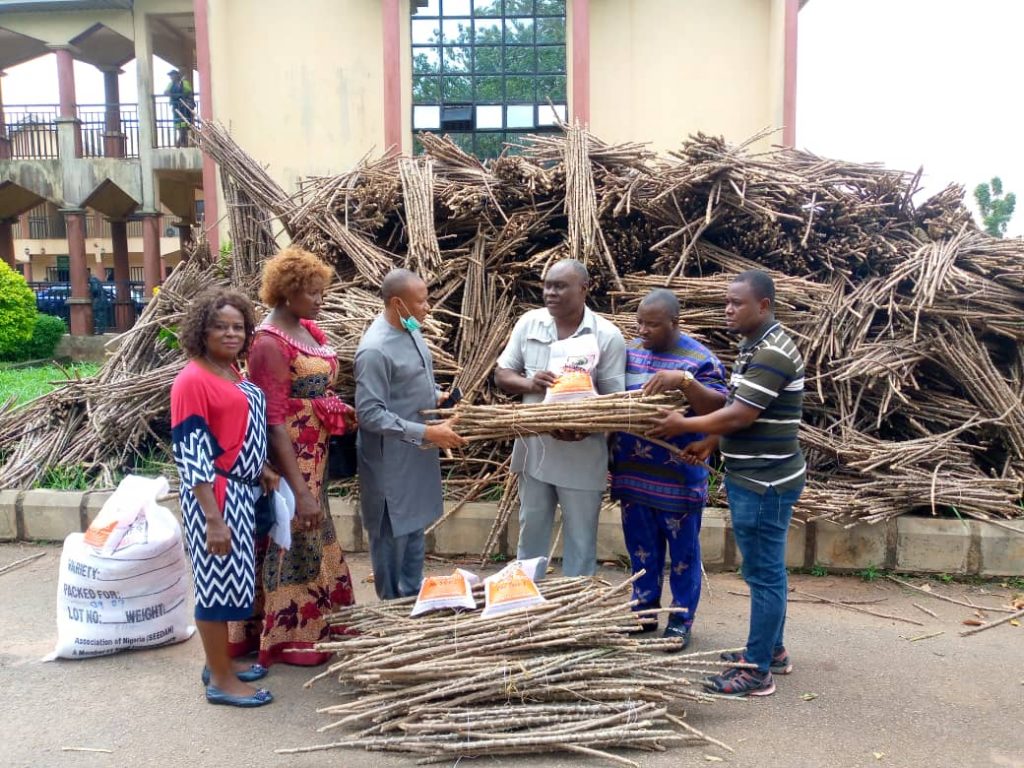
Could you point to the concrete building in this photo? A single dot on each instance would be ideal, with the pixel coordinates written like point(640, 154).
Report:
point(312, 86)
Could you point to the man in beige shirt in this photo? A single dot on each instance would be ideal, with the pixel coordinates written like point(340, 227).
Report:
point(563, 469)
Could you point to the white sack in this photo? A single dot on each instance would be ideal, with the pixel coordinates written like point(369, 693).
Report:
point(132, 593)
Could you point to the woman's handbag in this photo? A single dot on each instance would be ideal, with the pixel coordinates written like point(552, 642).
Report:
point(265, 517)
point(341, 457)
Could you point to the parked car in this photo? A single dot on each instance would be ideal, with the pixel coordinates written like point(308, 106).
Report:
point(52, 299)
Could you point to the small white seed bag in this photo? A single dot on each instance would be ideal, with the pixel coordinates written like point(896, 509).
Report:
point(513, 587)
point(454, 590)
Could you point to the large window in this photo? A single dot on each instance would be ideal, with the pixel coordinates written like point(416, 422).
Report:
point(484, 71)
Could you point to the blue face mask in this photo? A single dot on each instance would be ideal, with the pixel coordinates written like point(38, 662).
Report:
point(410, 323)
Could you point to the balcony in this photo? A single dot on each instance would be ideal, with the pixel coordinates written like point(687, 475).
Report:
point(45, 222)
point(105, 126)
point(31, 129)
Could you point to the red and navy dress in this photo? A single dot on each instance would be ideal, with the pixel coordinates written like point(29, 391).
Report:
point(219, 428)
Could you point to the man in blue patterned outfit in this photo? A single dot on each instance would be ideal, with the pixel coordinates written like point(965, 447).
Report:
point(662, 497)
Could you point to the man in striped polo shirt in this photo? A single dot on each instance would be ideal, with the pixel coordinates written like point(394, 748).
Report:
point(764, 470)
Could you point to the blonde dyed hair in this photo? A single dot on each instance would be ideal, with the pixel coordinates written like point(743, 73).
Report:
point(294, 269)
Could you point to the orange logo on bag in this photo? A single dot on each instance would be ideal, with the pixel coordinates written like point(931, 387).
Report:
point(515, 586)
point(97, 537)
point(573, 381)
point(435, 587)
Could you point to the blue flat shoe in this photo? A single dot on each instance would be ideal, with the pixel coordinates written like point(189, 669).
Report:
point(217, 696)
point(250, 675)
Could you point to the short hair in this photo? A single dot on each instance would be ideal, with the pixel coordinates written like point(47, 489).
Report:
point(664, 298)
point(200, 313)
point(760, 283)
point(396, 281)
point(290, 271)
point(577, 266)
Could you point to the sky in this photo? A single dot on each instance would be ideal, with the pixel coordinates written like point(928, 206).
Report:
point(35, 82)
point(911, 83)
point(908, 83)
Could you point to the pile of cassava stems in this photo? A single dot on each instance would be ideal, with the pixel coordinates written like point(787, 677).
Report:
point(911, 320)
point(564, 676)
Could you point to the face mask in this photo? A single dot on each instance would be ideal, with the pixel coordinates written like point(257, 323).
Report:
point(410, 323)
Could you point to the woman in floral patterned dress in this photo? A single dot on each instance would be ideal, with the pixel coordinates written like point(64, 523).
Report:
point(292, 363)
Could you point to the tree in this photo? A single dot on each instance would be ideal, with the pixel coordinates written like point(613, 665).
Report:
point(996, 208)
point(17, 311)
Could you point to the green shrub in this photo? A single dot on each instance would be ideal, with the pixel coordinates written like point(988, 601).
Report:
point(45, 337)
point(17, 312)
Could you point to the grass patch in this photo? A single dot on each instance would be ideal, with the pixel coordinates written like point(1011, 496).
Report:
point(871, 573)
point(29, 382)
point(73, 478)
point(154, 461)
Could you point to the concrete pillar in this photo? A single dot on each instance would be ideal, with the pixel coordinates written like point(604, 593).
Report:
point(579, 37)
point(147, 120)
point(69, 134)
point(151, 265)
point(113, 136)
point(65, 80)
point(211, 222)
point(7, 243)
point(792, 21)
point(391, 24)
point(81, 297)
point(124, 310)
point(5, 142)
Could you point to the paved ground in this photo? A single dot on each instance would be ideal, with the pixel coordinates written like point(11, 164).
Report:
point(881, 700)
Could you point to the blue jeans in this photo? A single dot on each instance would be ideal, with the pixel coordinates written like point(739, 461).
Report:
point(759, 523)
point(648, 532)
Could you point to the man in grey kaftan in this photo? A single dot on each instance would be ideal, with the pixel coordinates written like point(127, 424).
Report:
point(399, 481)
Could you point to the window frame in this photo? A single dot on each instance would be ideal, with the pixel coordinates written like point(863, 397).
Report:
point(441, 85)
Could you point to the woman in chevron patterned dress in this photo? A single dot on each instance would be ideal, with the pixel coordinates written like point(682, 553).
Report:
point(219, 437)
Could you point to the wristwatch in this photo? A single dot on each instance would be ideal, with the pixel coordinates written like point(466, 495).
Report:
point(688, 379)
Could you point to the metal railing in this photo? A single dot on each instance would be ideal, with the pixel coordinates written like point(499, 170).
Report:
point(167, 131)
point(97, 140)
point(52, 299)
point(45, 226)
point(44, 222)
point(32, 130)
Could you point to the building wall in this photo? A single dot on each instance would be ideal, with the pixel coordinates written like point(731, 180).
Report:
point(301, 85)
point(301, 89)
point(662, 69)
point(308, 98)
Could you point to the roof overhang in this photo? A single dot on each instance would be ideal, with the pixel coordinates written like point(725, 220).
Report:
point(16, 48)
point(23, 6)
